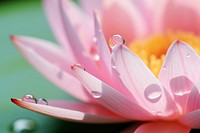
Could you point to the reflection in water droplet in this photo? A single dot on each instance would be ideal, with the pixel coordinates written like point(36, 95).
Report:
point(116, 40)
point(153, 93)
point(94, 39)
point(42, 101)
point(188, 55)
point(96, 94)
point(29, 98)
point(23, 126)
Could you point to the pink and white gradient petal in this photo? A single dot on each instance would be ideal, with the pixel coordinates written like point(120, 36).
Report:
point(180, 71)
point(103, 49)
point(128, 22)
point(72, 111)
point(49, 60)
point(55, 20)
point(162, 127)
point(110, 98)
point(141, 82)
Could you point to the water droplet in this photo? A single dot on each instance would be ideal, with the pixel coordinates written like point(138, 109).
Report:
point(79, 66)
point(96, 94)
point(188, 55)
point(23, 126)
point(164, 68)
point(181, 85)
point(94, 53)
point(42, 101)
point(29, 98)
point(94, 39)
point(60, 74)
point(159, 113)
point(153, 93)
point(116, 40)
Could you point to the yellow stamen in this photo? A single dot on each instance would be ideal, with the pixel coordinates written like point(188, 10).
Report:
point(152, 50)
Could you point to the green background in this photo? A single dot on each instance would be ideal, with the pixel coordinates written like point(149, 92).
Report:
point(17, 77)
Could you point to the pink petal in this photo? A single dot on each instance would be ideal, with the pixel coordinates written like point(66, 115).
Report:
point(193, 102)
point(140, 81)
point(162, 127)
point(77, 47)
point(52, 63)
point(72, 111)
point(128, 22)
point(90, 6)
point(55, 19)
point(191, 119)
point(180, 71)
point(110, 98)
point(174, 11)
point(105, 55)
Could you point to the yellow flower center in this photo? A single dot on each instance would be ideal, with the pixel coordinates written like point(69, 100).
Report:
point(152, 50)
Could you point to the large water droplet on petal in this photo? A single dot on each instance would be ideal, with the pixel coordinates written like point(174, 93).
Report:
point(96, 94)
point(42, 101)
point(116, 40)
point(153, 93)
point(29, 98)
point(181, 85)
point(23, 126)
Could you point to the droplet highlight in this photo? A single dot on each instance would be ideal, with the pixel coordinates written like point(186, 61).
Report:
point(23, 126)
point(42, 101)
point(153, 93)
point(29, 98)
point(188, 55)
point(94, 53)
point(164, 68)
point(96, 94)
point(116, 40)
point(94, 39)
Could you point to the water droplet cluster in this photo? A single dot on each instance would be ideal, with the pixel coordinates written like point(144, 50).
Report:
point(32, 99)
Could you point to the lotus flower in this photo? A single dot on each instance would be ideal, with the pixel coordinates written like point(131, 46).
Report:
point(113, 84)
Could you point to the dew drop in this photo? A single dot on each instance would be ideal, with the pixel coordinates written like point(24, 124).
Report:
point(42, 101)
point(164, 68)
point(60, 74)
point(116, 40)
point(181, 85)
point(79, 66)
point(188, 55)
point(23, 126)
point(94, 53)
point(96, 94)
point(29, 98)
point(153, 93)
point(94, 39)
point(159, 113)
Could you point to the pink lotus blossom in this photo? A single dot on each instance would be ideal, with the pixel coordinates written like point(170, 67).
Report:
point(112, 83)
